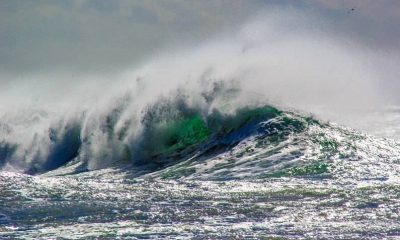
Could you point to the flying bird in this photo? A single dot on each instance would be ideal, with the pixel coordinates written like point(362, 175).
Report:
point(351, 10)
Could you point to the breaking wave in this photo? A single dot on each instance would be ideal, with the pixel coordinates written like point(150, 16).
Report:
point(191, 103)
point(165, 132)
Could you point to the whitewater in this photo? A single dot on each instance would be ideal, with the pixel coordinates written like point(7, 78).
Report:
point(218, 141)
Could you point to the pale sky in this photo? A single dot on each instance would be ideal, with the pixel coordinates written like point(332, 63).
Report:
point(100, 36)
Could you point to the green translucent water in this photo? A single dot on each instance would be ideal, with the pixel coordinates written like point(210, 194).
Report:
point(177, 135)
point(227, 124)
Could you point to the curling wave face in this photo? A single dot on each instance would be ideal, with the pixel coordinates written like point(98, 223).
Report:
point(177, 140)
point(171, 131)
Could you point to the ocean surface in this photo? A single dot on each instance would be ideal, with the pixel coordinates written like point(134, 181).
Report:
point(256, 173)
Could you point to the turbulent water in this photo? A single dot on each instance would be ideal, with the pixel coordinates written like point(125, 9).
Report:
point(208, 141)
point(256, 173)
point(211, 143)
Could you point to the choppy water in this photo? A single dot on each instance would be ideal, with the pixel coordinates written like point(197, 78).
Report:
point(270, 177)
